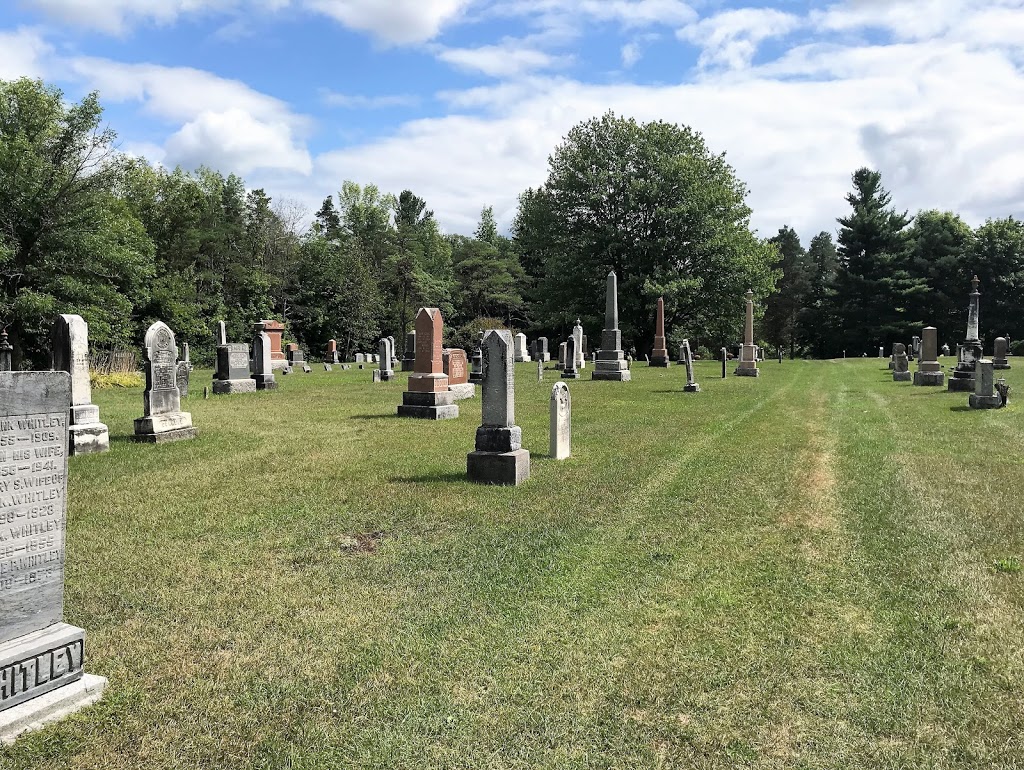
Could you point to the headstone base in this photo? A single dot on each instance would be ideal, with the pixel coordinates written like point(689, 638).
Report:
point(504, 468)
point(51, 707)
point(694, 388)
point(222, 387)
point(902, 376)
point(960, 384)
point(747, 371)
point(39, 662)
point(158, 424)
point(524, 360)
point(661, 361)
point(387, 375)
point(88, 439)
point(278, 363)
point(612, 367)
point(265, 382)
point(462, 391)
point(476, 377)
point(181, 434)
point(616, 375)
point(929, 378)
point(985, 402)
point(408, 364)
point(568, 374)
point(428, 406)
point(1000, 363)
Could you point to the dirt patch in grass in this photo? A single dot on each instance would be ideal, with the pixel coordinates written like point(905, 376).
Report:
point(363, 542)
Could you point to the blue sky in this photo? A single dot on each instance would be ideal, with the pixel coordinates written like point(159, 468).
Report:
point(462, 101)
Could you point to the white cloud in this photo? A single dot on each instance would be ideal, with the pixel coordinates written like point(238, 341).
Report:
point(119, 16)
point(507, 59)
point(227, 125)
point(731, 38)
point(631, 53)
point(628, 13)
point(363, 102)
point(23, 52)
point(393, 21)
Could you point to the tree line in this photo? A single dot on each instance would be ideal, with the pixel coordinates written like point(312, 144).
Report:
point(123, 242)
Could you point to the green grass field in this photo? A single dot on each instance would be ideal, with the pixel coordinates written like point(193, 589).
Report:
point(818, 568)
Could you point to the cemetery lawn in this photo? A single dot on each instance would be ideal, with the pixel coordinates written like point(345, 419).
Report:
point(819, 568)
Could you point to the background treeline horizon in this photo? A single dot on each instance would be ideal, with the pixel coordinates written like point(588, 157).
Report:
point(85, 229)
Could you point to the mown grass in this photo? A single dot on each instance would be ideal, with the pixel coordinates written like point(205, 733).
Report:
point(801, 570)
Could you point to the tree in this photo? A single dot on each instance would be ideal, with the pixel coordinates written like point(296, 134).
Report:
point(818, 315)
point(784, 306)
point(652, 203)
point(67, 244)
point(939, 243)
point(996, 255)
point(875, 286)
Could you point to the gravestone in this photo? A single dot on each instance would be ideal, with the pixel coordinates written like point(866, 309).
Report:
point(691, 385)
point(561, 355)
point(1000, 353)
point(376, 375)
point(725, 358)
point(499, 457)
point(747, 366)
point(570, 371)
point(985, 395)
point(915, 347)
point(881, 351)
point(455, 364)
point(681, 359)
point(522, 355)
point(184, 373)
point(409, 356)
point(222, 333)
point(162, 419)
point(586, 350)
point(542, 349)
point(86, 434)
point(561, 422)
point(396, 362)
point(328, 368)
point(577, 334)
point(307, 369)
point(540, 370)
point(331, 353)
point(901, 369)
point(233, 372)
point(346, 367)
point(386, 359)
point(970, 350)
point(41, 657)
point(945, 350)
point(611, 361)
point(929, 371)
point(275, 332)
point(476, 369)
point(6, 352)
point(263, 365)
point(360, 358)
point(659, 354)
point(428, 396)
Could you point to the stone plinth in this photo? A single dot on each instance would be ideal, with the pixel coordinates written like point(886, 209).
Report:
point(611, 362)
point(232, 374)
point(747, 366)
point(162, 419)
point(41, 657)
point(499, 457)
point(87, 435)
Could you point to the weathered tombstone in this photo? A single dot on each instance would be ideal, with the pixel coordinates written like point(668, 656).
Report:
point(376, 375)
point(360, 358)
point(540, 370)
point(331, 353)
point(747, 366)
point(386, 358)
point(570, 370)
point(725, 358)
point(945, 350)
point(522, 355)
point(275, 332)
point(6, 352)
point(691, 385)
point(328, 368)
point(263, 366)
point(499, 457)
point(577, 334)
point(1003, 390)
point(307, 369)
point(1000, 352)
point(881, 351)
point(611, 362)
point(41, 658)
point(929, 371)
point(476, 369)
point(585, 348)
point(409, 357)
point(184, 372)
point(659, 354)
point(970, 350)
point(428, 396)
point(561, 355)
point(984, 395)
point(561, 422)
point(901, 371)
point(162, 419)
point(681, 359)
point(346, 367)
point(233, 371)
point(915, 346)
point(394, 356)
point(542, 349)
point(455, 364)
point(86, 434)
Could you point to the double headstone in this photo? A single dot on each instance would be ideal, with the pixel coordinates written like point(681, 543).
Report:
point(41, 658)
point(747, 366)
point(561, 422)
point(162, 419)
point(1000, 353)
point(901, 368)
point(499, 457)
point(456, 365)
point(263, 365)
point(386, 359)
point(233, 372)
point(428, 396)
point(659, 354)
point(86, 434)
point(691, 385)
point(929, 371)
point(611, 361)
point(522, 353)
point(970, 350)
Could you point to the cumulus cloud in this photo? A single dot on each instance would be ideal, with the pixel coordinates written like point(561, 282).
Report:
point(226, 124)
point(507, 59)
point(24, 50)
point(731, 38)
point(395, 22)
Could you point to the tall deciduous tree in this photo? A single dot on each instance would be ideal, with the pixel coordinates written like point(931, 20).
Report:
point(997, 256)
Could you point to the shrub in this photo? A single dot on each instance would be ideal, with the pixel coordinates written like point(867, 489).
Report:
point(468, 335)
point(101, 381)
point(1017, 347)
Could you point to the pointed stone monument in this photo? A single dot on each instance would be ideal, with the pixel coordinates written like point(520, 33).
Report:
point(691, 385)
point(561, 422)
point(42, 677)
point(428, 396)
point(499, 457)
point(162, 419)
point(611, 361)
point(984, 395)
point(747, 366)
point(970, 350)
point(577, 334)
point(86, 434)
point(263, 364)
point(929, 370)
point(659, 355)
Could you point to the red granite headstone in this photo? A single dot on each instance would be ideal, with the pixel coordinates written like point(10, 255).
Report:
point(456, 365)
point(275, 330)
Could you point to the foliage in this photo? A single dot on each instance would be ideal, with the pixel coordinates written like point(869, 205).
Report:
point(468, 335)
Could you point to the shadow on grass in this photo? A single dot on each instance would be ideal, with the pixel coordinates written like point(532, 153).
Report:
point(962, 409)
point(446, 477)
point(385, 416)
